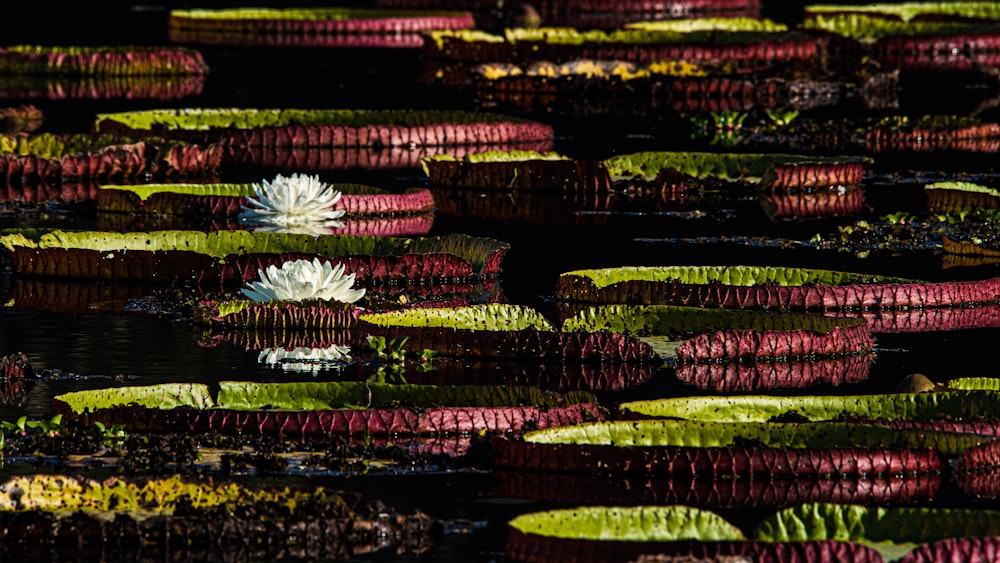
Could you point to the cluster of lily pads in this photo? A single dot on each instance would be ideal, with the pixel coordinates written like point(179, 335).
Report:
point(295, 274)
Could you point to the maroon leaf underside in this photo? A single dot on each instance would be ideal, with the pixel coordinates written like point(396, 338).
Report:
point(164, 87)
point(117, 162)
point(809, 205)
point(929, 319)
point(387, 422)
point(354, 137)
point(290, 315)
point(976, 470)
point(521, 345)
point(41, 535)
point(876, 296)
point(367, 158)
point(955, 550)
point(792, 175)
point(770, 345)
point(388, 25)
point(409, 40)
point(532, 548)
point(427, 273)
point(744, 58)
point(582, 488)
point(34, 190)
point(601, 15)
point(575, 175)
point(760, 462)
point(124, 201)
point(743, 377)
point(965, 52)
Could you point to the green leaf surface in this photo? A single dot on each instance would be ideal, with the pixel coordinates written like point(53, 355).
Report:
point(203, 119)
point(164, 396)
point(307, 14)
point(310, 395)
point(666, 320)
point(958, 405)
point(217, 243)
point(491, 316)
point(635, 523)
point(228, 190)
point(908, 10)
point(705, 434)
point(891, 531)
point(974, 383)
point(730, 166)
point(731, 275)
point(687, 25)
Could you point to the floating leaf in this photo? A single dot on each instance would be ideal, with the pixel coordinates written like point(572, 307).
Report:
point(956, 405)
point(891, 531)
point(501, 331)
point(726, 335)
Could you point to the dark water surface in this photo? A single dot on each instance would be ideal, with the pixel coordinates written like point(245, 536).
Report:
point(145, 350)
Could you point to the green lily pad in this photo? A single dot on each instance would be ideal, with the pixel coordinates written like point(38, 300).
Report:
point(891, 531)
point(638, 523)
point(959, 405)
point(721, 434)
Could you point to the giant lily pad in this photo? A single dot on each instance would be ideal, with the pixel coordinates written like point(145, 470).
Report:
point(708, 491)
point(891, 531)
point(955, 197)
point(87, 60)
point(959, 411)
point(532, 170)
point(909, 45)
point(501, 331)
point(908, 11)
point(247, 129)
point(924, 134)
point(312, 408)
point(88, 87)
point(771, 288)
point(620, 534)
point(49, 157)
point(314, 27)
point(728, 336)
point(745, 51)
point(236, 256)
point(226, 199)
point(595, 15)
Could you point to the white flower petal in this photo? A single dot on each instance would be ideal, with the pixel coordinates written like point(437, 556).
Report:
point(298, 280)
point(299, 204)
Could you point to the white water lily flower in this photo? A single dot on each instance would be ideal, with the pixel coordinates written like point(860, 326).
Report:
point(304, 359)
point(290, 202)
point(298, 280)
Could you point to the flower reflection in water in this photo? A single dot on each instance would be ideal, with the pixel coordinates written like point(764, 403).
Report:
point(304, 359)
